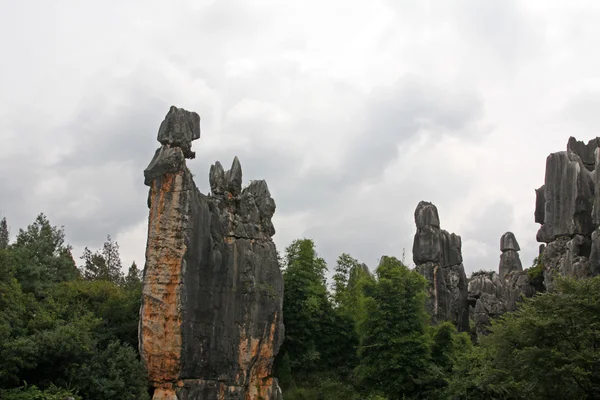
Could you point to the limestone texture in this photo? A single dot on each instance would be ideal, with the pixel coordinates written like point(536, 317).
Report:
point(568, 209)
point(491, 294)
point(211, 314)
point(509, 259)
point(437, 255)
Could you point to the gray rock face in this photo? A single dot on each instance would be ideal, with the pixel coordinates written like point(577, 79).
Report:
point(540, 205)
point(584, 151)
point(517, 286)
point(211, 315)
point(509, 259)
point(568, 194)
point(491, 294)
point(508, 241)
point(179, 129)
point(571, 216)
point(437, 255)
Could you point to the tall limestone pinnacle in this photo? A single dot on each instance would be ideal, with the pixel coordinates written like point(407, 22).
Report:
point(211, 319)
point(437, 255)
point(568, 209)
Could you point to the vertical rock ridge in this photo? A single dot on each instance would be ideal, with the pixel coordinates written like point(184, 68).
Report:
point(569, 220)
point(210, 321)
point(438, 257)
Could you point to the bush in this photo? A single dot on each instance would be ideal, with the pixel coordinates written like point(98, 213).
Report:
point(33, 393)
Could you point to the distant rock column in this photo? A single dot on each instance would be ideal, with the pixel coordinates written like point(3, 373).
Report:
point(509, 259)
point(211, 315)
point(437, 255)
point(567, 208)
point(492, 294)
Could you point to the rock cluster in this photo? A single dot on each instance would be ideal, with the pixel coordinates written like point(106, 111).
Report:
point(211, 315)
point(492, 294)
point(568, 208)
point(437, 255)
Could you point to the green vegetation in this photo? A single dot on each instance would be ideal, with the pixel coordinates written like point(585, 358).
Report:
point(72, 332)
point(385, 349)
point(65, 331)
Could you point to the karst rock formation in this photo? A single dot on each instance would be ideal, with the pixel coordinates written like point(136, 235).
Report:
point(568, 208)
point(492, 294)
point(437, 256)
point(211, 315)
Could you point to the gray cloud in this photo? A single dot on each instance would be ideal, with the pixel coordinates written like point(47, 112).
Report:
point(352, 118)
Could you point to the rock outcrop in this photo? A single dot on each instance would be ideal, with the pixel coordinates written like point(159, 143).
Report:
point(568, 208)
point(509, 259)
point(437, 255)
point(492, 294)
point(211, 315)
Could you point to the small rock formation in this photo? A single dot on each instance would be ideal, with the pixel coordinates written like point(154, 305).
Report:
point(437, 255)
point(492, 294)
point(568, 208)
point(509, 259)
point(211, 314)
point(487, 294)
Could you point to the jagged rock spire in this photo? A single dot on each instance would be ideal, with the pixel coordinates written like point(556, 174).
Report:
point(211, 319)
point(509, 259)
point(437, 255)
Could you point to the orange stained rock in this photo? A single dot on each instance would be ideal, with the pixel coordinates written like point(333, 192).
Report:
point(161, 317)
point(164, 394)
point(260, 382)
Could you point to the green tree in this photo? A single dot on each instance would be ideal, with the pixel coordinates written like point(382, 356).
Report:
point(41, 257)
point(548, 348)
point(4, 234)
point(345, 264)
point(305, 303)
point(394, 346)
point(105, 264)
point(134, 276)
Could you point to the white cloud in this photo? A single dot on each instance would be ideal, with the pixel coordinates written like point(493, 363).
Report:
point(352, 112)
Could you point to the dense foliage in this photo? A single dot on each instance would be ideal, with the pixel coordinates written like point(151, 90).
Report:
point(71, 331)
point(66, 332)
point(376, 329)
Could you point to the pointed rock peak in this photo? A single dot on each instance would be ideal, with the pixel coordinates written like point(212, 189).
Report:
point(233, 178)
point(216, 178)
point(179, 128)
point(508, 241)
point(426, 215)
point(259, 189)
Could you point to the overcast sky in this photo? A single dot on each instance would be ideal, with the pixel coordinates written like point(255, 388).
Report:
point(353, 111)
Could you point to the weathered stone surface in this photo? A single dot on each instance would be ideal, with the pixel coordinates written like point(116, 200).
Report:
point(509, 259)
point(571, 212)
point(179, 129)
point(508, 241)
point(517, 287)
point(540, 204)
point(451, 249)
point(584, 151)
point(485, 282)
point(426, 215)
point(210, 321)
point(494, 293)
point(568, 193)
point(487, 308)
point(437, 255)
